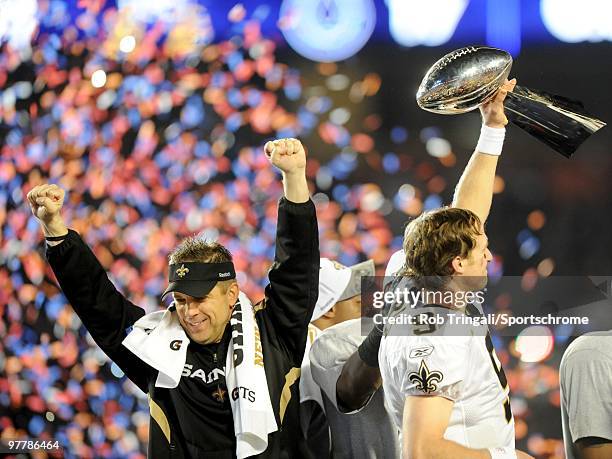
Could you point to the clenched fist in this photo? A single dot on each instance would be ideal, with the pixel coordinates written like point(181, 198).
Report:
point(288, 155)
point(46, 202)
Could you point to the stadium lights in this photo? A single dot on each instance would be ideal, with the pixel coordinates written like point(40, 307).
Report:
point(18, 22)
point(98, 78)
point(327, 31)
point(410, 21)
point(150, 11)
point(534, 344)
point(127, 44)
point(570, 21)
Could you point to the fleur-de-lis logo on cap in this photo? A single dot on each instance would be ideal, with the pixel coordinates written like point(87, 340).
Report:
point(426, 380)
point(182, 271)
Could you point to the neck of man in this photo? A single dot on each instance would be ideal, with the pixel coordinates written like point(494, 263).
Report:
point(219, 338)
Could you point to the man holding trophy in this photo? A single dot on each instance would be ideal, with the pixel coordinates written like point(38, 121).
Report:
point(448, 395)
point(446, 391)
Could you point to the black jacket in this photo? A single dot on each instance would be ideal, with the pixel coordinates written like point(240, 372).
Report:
point(283, 318)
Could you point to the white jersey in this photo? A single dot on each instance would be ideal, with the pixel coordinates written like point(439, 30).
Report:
point(463, 369)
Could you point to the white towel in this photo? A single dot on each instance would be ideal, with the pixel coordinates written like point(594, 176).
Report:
point(247, 384)
point(159, 339)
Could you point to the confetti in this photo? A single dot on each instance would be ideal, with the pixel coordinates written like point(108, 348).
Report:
point(156, 132)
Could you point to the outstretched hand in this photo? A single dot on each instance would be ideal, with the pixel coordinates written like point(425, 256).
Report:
point(493, 111)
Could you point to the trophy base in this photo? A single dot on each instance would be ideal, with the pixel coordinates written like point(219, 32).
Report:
point(560, 123)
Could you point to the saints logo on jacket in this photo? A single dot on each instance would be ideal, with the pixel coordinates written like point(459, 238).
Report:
point(199, 373)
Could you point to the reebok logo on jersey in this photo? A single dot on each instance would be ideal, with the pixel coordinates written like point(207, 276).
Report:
point(422, 351)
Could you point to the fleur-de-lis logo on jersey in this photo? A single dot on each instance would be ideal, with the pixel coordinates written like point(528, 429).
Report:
point(219, 394)
point(182, 271)
point(426, 380)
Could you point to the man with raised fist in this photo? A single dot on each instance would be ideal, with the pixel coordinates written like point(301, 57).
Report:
point(220, 372)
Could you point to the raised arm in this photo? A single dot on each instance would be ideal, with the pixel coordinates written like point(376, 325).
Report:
point(360, 376)
point(294, 276)
point(475, 188)
point(103, 310)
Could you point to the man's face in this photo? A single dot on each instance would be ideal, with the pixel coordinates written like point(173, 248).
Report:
point(475, 265)
point(348, 309)
point(204, 319)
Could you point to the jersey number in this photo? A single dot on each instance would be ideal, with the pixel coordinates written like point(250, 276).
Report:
point(425, 324)
point(499, 371)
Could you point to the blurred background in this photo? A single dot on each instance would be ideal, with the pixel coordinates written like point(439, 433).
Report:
point(152, 115)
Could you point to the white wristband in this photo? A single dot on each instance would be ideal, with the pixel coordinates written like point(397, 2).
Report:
point(502, 453)
point(491, 140)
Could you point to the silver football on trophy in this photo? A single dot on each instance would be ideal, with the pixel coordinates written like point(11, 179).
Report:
point(468, 77)
point(463, 80)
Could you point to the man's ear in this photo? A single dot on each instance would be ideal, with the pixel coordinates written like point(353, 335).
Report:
point(232, 294)
point(331, 313)
point(458, 264)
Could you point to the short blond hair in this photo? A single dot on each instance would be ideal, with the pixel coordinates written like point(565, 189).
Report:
point(196, 248)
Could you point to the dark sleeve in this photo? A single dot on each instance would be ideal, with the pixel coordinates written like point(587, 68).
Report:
point(294, 277)
point(106, 313)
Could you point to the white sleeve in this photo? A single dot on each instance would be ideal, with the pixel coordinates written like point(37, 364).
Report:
point(434, 365)
point(328, 355)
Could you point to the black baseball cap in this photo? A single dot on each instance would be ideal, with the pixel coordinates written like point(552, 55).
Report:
point(197, 279)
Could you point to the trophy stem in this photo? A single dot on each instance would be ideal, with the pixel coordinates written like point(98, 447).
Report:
point(560, 123)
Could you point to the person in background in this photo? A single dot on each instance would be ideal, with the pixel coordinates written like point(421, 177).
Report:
point(337, 336)
point(586, 396)
point(360, 427)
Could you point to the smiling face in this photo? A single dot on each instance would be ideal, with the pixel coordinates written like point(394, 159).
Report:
point(204, 319)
